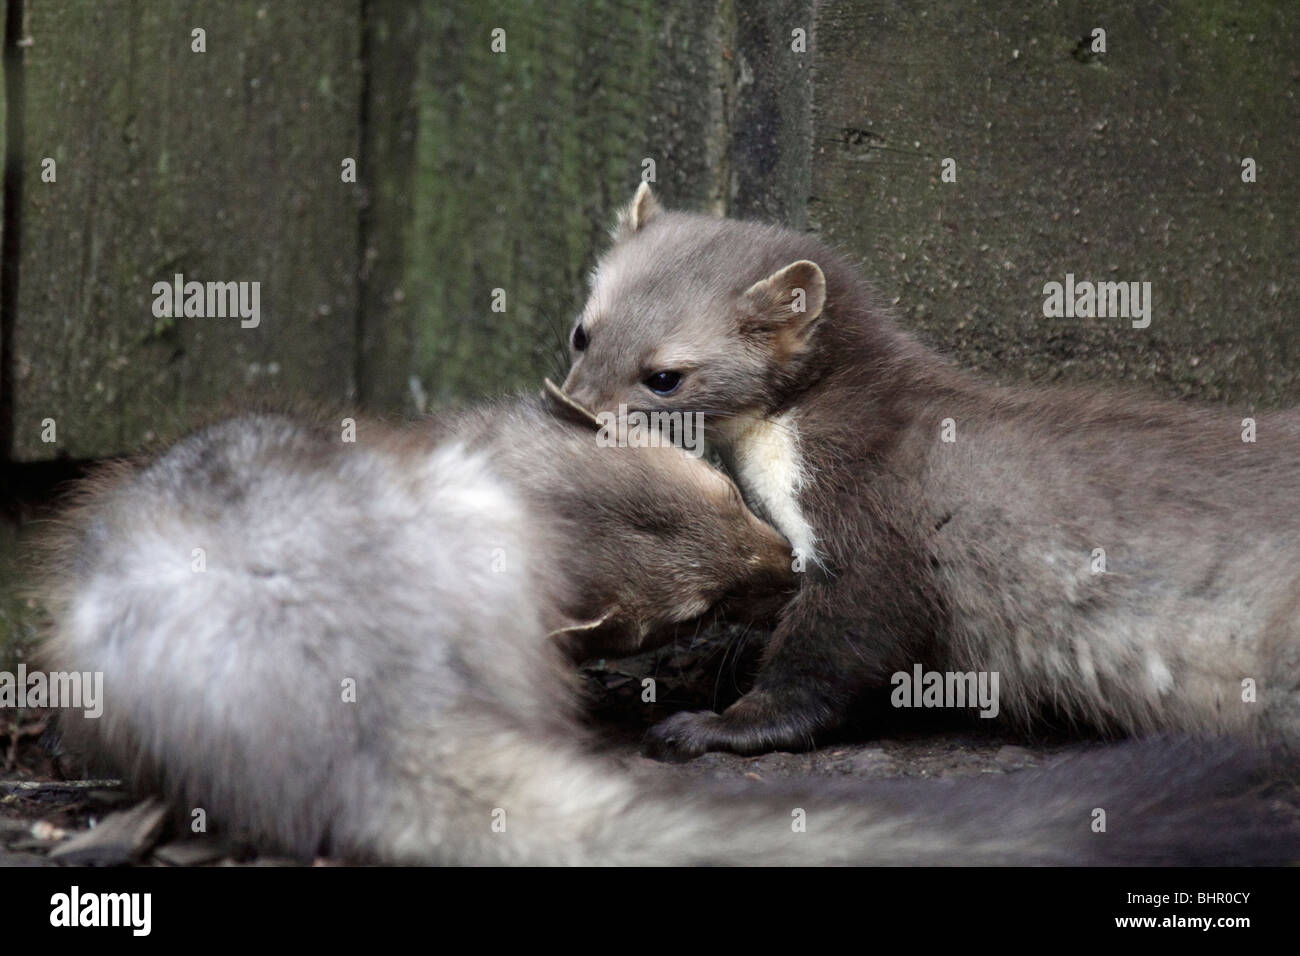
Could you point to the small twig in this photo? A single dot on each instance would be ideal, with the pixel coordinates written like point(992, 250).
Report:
point(17, 732)
point(17, 785)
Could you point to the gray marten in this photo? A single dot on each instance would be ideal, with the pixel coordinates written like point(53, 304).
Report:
point(354, 649)
point(1120, 562)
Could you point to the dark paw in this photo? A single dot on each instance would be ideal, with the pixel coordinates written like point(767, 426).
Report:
point(682, 736)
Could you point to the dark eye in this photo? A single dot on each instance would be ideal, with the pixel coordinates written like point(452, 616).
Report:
point(580, 339)
point(665, 383)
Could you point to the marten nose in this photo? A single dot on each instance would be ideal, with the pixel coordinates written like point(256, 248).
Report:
point(585, 397)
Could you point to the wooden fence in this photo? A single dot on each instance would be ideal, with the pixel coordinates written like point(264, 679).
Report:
point(492, 141)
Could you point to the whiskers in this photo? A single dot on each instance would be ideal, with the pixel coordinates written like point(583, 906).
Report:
point(732, 654)
point(555, 359)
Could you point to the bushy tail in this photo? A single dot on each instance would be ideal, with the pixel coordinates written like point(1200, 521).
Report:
point(1156, 802)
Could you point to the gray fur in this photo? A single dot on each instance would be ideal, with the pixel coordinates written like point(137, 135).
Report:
point(373, 561)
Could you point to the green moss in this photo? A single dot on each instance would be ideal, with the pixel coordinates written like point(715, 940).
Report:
point(520, 160)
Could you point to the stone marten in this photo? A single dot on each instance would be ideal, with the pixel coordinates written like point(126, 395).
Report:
point(1127, 563)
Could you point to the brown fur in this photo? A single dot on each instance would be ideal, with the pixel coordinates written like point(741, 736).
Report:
point(972, 555)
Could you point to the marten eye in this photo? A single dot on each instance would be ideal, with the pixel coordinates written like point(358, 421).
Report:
point(664, 383)
point(579, 339)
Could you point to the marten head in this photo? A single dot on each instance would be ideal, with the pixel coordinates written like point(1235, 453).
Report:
point(648, 538)
point(689, 312)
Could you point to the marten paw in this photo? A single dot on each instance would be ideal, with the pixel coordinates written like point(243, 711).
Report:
point(683, 736)
point(755, 724)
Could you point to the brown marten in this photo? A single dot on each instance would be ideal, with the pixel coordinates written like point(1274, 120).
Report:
point(1131, 564)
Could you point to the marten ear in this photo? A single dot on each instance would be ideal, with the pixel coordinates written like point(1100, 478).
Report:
point(583, 640)
point(787, 303)
point(566, 407)
point(634, 216)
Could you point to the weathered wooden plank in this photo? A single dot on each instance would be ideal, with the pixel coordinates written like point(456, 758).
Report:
point(222, 166)
point(483, 170)
point(11, 131)
point(521, 157)
point(389, 124)
point(773, 52)
point(1122, 165)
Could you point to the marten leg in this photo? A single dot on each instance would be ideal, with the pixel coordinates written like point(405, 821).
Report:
point(808, 681)
point(762, 720)
point(842, 634)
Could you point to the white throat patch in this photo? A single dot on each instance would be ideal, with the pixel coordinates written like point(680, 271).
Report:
point(770, 469)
